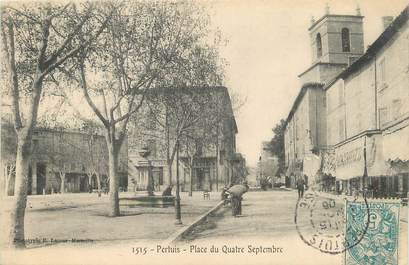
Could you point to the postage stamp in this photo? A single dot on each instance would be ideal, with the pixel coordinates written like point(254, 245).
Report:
point(379, 243)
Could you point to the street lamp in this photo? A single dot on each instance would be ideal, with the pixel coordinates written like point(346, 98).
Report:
point(178, 210)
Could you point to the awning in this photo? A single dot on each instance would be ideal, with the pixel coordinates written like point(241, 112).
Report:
point(311, 164)
point(396, 145)
point(328, 163)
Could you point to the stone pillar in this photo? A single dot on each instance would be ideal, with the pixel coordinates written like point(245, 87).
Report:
point(165, 175)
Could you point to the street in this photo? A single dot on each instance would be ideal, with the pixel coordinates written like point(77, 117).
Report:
point(268, 220)
point(264, 234)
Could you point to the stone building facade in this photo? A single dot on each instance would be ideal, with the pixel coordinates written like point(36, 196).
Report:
point(364, 110)
point(336, 41)
point(368, 112)
point(79, 156)
point(215, 164)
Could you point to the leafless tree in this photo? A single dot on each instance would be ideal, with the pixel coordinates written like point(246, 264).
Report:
point(37, 40)
point(145, 43)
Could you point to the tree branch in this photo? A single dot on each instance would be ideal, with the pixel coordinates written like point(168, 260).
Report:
point(69, 38)
point(9, 51)
point(88, 98)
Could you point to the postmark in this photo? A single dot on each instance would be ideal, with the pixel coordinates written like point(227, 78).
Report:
point(379, 244)
point(321, 223)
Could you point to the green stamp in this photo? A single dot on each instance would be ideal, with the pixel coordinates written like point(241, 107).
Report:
point(379, 243)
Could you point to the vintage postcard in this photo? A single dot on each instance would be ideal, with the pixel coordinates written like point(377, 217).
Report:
point(204, 132)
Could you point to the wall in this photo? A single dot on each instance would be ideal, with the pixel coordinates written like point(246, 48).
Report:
point(141, 133)
point(393, 80)
point(65, 151)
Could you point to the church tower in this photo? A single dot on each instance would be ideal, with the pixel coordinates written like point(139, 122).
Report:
point(336, 42)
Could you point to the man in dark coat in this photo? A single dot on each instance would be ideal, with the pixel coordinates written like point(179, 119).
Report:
point(300, 187)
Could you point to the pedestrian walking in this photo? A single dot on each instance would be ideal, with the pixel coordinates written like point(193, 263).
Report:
point(300, 187)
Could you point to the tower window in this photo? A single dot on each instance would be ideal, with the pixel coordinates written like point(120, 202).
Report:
point(319, 45)
point(346, 47)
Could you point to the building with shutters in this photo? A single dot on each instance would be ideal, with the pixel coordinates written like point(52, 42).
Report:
point(336, 41)
point(215, 164)
point(368, 116)
point(351, 136)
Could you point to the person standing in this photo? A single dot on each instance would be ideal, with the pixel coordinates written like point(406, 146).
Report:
point(236, 205)
point(300, 187)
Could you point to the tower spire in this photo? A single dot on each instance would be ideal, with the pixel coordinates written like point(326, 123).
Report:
point(326, 9)
point(358, 10)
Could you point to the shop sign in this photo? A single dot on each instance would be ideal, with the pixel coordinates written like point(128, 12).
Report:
point(348, 157)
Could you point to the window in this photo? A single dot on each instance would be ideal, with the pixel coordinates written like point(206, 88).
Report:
point(329, 136)
point(73, 166)
point(346, 47)
point(341, 128)
point(340, 93)
point(35, 145)
point(152, 147)
point(319, 45)
point(199, 147)
point(383, 116)
point(396, 105)
point(359, 121)
point(382, 73)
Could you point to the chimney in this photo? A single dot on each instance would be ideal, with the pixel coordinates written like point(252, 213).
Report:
point(386, 21)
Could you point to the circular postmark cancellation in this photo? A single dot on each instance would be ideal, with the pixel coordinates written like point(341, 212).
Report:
point(321, 223)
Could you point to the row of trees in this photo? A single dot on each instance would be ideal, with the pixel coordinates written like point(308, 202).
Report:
point(109, 53)
point(188, 119)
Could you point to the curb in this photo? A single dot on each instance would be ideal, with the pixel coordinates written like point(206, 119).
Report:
point(186, 229)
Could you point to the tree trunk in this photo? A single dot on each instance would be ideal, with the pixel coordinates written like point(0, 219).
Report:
point(169, 171)
point(217, 164)
point(113, 152)
point(7, 180)
point(6, 185)
point(62, 187)
point(98, 184)
point(15, 232)
point(191, 177)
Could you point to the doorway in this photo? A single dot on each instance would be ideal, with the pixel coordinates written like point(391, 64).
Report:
point(41, 178)
point(199, 178)
point(30, 181)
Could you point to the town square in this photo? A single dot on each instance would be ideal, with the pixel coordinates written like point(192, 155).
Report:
point(204, 132)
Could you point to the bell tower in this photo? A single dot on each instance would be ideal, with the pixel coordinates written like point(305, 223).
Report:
point(336, 42)
point(337, 38)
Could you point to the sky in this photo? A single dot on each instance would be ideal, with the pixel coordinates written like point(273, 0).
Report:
point(268, 46)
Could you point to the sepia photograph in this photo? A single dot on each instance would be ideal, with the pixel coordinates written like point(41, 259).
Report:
point(204, 132)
